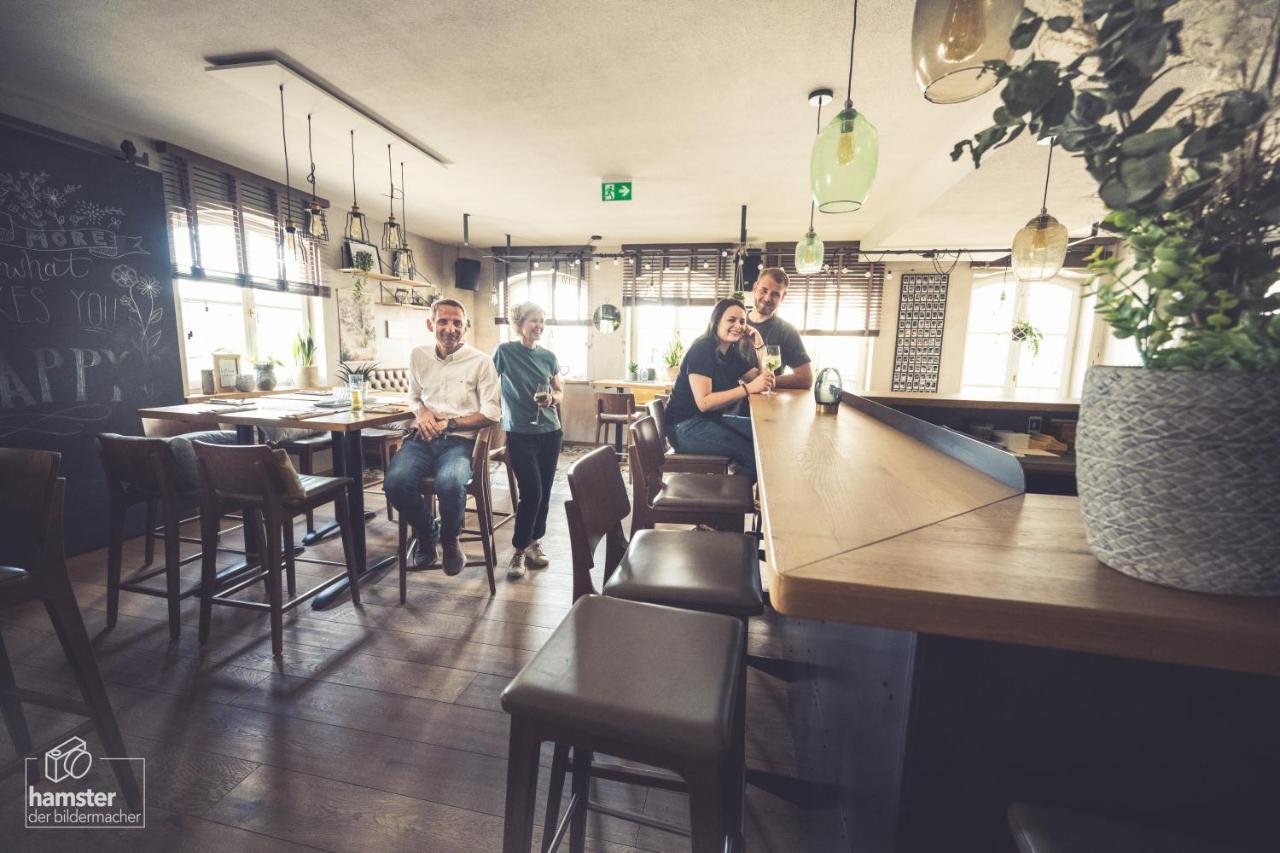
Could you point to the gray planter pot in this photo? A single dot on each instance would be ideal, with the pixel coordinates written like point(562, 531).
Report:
point(1179, 477)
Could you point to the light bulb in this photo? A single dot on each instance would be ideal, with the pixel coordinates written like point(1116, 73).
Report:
point(964, 29)
point(844, 148)
point(356, 223)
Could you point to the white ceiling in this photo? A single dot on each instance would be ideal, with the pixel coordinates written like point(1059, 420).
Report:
point(702, 105)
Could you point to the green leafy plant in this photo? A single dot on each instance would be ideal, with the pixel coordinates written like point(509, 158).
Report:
point(304, 349)
point(1191, 180)
point(1024, 332)
point(633, 368)
point(673, 354)
point(362, 264)
point(347, 369)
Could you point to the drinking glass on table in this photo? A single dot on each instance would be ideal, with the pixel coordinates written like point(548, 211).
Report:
point(772, 362)
point(541, 397)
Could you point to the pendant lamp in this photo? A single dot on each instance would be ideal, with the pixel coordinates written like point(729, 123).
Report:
point(392, 233)
point(293, 245)
point(810, 251)
point(950, 41)
point(402, 265)
point(1040, 248)
point(314, 225)
point(843, 163)
point(357, 225)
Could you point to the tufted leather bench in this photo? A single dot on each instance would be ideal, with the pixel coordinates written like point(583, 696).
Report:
point(394, 379)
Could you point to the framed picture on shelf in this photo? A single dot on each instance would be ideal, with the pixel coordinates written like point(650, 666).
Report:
point(352, 248)
point(226, 369)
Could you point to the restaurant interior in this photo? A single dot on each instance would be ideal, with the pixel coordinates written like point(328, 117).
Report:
point(718, 426)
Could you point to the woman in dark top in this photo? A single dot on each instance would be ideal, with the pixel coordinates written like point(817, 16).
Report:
point(715, 376)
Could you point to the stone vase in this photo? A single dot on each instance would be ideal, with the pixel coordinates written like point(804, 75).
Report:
point(266, 376)
point(1179, 477)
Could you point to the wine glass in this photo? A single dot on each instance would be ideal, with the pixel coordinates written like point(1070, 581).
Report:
point(772, 362)
point(542, 398)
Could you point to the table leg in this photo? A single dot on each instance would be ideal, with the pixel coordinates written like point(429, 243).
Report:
point(348, 461)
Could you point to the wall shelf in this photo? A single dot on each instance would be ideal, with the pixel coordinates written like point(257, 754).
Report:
point(377, 276)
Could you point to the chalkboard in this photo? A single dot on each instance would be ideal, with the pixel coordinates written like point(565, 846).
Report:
point(87, 326)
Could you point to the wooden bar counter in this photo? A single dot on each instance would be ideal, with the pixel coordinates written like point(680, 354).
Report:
point(958, 648)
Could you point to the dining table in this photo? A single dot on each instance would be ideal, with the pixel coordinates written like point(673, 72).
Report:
point(302, 410)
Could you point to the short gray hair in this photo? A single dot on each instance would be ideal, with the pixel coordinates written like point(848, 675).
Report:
point(517, 314)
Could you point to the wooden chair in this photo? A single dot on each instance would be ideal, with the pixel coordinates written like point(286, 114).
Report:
point(720, 501)
point(144, 470)
point(617, 409)
point(383, 443)
point(261, 479)
point(674, 462)
point(33, 568)
point(498, 453)
point(478, 489)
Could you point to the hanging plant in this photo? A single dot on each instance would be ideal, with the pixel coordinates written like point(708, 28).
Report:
point(1025, 333)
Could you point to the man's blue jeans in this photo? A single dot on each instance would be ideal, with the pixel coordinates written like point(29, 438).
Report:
point(727, 435)
point(449, 458)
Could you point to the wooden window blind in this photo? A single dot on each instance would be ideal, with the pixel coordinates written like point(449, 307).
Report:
point(677, 274)
point(846, 298)
point(558, 279)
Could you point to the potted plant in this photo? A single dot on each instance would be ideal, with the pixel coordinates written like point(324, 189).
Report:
point(1025, 333)
point(304, 355)
point(633, 371)
point(1178, 461)
point(672, 358)
point(355, 375)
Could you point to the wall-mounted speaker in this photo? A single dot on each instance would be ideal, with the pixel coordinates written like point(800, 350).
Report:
point(751, 265)
point(466, 274)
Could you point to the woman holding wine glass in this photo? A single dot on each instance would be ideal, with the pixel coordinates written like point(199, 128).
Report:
point(531, 388)
point(719, 371)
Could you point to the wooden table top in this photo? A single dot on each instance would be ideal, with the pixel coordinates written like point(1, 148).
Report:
point(274, 411)
point(661, 385)
point(866, 525)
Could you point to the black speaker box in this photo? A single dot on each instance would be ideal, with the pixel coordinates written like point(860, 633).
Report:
point(466, 274)
point(751, 265)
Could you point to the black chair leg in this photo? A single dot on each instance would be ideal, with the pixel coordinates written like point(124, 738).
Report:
point(65, 616)
point(290, 574)
point(306, 465)
point(581, 792)
point(149, 542)
point(559, 764)
point(708, 816)
point(271, 561)
point(11, 707)
point(402, 557)
point(522, 789)
point(209, 522)
point(115, 555)
point(173, 570)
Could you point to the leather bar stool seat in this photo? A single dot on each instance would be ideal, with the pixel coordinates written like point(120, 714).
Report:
point(692, 492)
point(655, 685)
point(1043, 829)
point(713, 571)
point(313, 487)
point(720, 501)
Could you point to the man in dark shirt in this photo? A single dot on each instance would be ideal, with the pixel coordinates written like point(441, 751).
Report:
point(767, 294)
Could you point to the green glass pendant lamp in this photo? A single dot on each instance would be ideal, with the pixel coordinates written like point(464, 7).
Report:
point(810, 252)
point(1040, 247)
point(846, 152)
point(950, 41)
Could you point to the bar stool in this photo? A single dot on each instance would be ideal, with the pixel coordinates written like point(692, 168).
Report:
point(33, 567)
point(720, 501)
point(672, 460)
point(649, 684)
point(262, 479)
point(713, 571)
point(145, 470)
point(478, 489)
point(306, 447)
point(616, 408)
point(498, 453)
point(1041, 829)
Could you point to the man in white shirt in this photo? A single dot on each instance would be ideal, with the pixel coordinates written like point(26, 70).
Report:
point(454, 391)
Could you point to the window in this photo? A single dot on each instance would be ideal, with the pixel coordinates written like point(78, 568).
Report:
point(559, 281)
point(670, 291)
point(996, 363)
point(238, 290)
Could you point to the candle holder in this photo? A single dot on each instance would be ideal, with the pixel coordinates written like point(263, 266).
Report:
point(827, 390)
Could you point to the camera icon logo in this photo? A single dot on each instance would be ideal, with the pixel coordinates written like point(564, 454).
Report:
point(68, 760)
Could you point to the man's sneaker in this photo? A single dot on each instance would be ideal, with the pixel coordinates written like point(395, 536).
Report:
point(424, 554)
point(534, 558)
point(454, 559)
point(515, 569)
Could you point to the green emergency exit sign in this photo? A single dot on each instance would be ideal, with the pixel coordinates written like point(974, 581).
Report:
point(615, 191)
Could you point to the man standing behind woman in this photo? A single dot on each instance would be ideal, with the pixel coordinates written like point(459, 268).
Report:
point(531, 388)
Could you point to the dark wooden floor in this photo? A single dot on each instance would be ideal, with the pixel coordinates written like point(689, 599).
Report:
point(380, 729)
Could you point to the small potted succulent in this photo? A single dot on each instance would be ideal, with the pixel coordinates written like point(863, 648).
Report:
point(633, 371)
point(672, 358)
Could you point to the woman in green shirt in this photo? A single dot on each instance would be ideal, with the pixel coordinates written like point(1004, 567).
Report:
point(531, 389)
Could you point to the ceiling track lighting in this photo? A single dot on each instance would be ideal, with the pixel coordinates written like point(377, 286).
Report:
point(1040, 246)
point(293, 243)
point(842, 164)
point(357, 225)
point(315, 227)
point(402, 265)
point(952, 39)
point(392, 231)
point(810, 251)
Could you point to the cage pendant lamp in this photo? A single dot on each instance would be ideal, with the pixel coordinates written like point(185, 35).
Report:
point(810, 252)
point(294, 247)
point(314, 225)
point(950, 41)
point(842, 165)
point(357, 226)
point(1040, 247)
point(392, 232)
point(402, 265)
